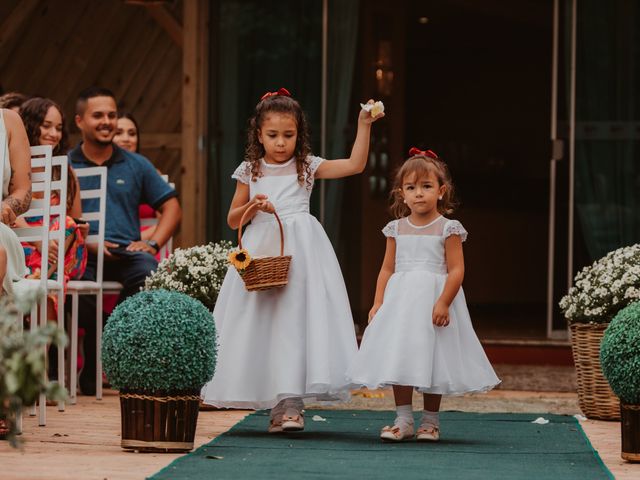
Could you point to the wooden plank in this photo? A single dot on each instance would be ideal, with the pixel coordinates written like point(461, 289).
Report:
point(150, 140)
point(106, 29)
point(139, 48)
point(84, 442)
point(168, 23)
point(51, 50)
point(15, 21)
point(157, 94)
point(152, 64)
point(194, 104)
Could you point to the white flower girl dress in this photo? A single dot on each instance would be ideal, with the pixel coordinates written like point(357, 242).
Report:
point(295, 341)
point(402, 346)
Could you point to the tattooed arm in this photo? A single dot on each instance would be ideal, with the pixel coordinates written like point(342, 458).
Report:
point(19, 198)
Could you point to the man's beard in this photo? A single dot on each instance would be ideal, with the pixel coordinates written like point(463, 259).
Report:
point(104, 143)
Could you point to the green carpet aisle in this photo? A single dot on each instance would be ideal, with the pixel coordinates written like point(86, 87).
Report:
point(346, 445)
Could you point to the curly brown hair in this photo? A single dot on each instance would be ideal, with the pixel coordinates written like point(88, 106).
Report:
point(422, 165)
point(33, 113)
point(255, 150)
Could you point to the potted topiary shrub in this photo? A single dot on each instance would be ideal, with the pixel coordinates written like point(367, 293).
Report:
point(600, 291)
point(158, 350)
point(620, 360)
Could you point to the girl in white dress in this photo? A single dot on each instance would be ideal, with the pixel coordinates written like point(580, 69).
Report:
point(282, 346)
point(420, 334)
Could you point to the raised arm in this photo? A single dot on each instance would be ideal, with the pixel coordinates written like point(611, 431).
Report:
point(357, 162)
point(386, 270)
point(19, 198)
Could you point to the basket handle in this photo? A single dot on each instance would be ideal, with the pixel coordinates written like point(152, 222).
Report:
point(244, 215)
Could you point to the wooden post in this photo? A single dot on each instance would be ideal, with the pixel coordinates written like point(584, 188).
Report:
point(194, 121)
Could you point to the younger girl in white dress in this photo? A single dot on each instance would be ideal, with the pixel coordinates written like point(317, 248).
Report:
point(420, 334)
point(282, 346)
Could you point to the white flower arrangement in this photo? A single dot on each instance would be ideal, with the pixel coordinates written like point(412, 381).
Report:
point(605, 287)
point(196, 271)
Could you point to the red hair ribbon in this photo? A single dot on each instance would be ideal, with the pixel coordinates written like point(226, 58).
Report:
point(413, 151)
point(281, 91)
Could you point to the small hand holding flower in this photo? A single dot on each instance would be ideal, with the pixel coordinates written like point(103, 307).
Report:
point(371, 111)
point(262, 203)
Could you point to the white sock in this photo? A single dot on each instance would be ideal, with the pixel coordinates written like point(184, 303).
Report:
point(405, 414)
point(430, 418)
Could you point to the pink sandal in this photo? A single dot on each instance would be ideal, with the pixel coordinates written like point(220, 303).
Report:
point(397, 433)
point(428, 433)
point(292, 421)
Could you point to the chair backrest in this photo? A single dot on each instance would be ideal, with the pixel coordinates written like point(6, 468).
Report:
point(3, 153)
point(94, 208)
point(42, 182)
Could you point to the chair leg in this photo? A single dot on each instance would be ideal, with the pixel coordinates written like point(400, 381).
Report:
point(42, 407)
point(73, 369)
point(61, 350)
point(99, 345)
point(19, 412)
point(33, 323)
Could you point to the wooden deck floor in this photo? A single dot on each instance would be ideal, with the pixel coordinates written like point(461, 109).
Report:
point(84, 442)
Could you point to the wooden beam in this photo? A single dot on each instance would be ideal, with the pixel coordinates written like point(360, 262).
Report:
point(194, 121)
point(170, 141)
point(167, 21)
point(12, 24)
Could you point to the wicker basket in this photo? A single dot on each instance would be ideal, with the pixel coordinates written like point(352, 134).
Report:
point(158, 424)
point(266, 272)
point(595, 397)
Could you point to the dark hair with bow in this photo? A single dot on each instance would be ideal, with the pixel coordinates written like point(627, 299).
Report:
point(280, 102)
point(422, 163)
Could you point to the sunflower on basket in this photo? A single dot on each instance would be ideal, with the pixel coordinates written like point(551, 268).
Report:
point(240, 259)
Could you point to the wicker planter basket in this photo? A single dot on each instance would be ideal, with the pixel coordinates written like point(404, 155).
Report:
point(595, 397)
point(266, 272)
point(158, 424)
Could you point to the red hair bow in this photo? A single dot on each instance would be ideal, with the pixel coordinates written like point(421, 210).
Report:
point(413, 151)
point(281, 91)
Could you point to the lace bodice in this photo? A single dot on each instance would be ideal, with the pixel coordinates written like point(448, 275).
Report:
point(422, 247)
point(280, 184)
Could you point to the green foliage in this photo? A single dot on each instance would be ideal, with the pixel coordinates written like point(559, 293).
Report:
point(22, 364)
point(620, 354)
point(157, 342)
point(197, 271)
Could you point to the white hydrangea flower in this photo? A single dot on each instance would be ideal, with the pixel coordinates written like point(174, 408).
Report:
point(603, 288)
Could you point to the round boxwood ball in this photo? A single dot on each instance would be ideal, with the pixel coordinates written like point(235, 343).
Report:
point(620, 354)
point(158, 342)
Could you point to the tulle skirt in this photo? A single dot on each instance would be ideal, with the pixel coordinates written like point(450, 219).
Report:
point(402, 346)
point(296, 341)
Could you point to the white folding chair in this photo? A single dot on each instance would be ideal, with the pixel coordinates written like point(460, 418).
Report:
point(43, 183)
point(75, 288)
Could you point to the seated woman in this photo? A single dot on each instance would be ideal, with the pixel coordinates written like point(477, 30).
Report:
point(127, 137)
point(44, 123)
point(15, 175)
point(15, 171)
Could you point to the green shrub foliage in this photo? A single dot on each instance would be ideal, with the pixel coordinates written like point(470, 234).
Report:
point(620, 354)
point(159, 342)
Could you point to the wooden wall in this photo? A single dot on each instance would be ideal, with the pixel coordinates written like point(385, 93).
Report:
point(55, 48)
